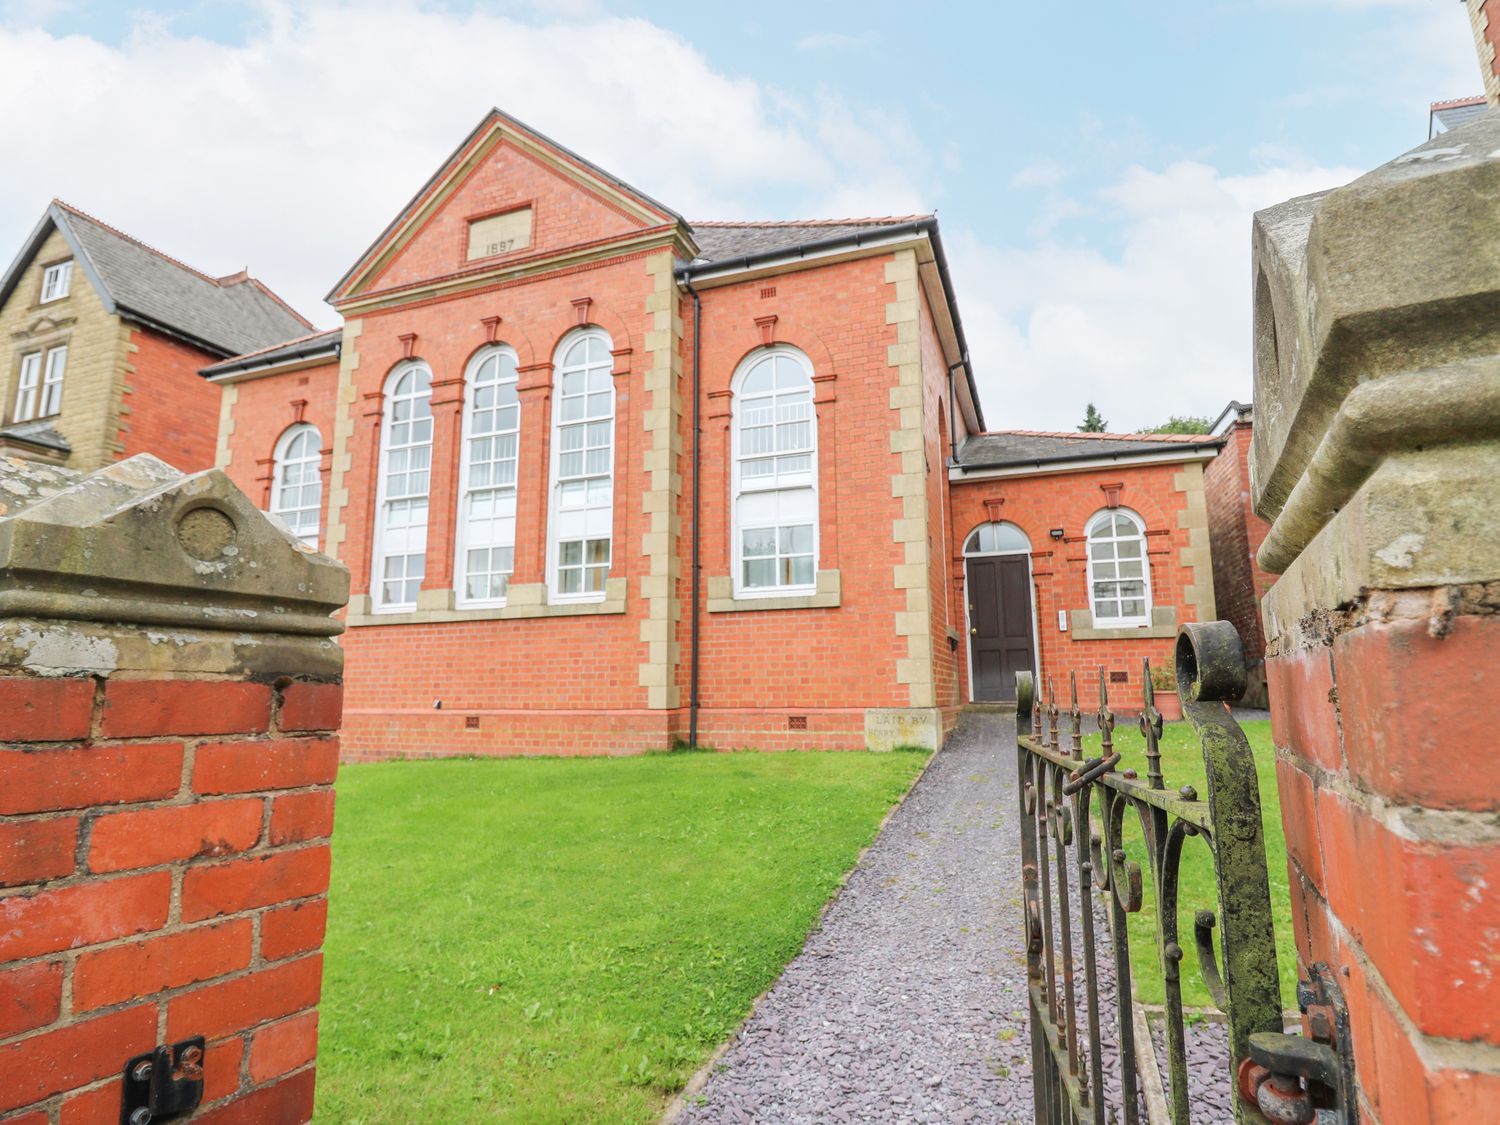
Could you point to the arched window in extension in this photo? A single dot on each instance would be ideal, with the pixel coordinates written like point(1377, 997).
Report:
point(997, 539)
point(1119, 577)
point(583, 462)
point(486, 549)
point(405, 478)
point(297, 481)
point(775, 439)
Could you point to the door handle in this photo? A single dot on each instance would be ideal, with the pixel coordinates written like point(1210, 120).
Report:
point(973, 632)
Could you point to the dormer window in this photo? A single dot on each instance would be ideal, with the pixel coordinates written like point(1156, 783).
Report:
point(56, 281)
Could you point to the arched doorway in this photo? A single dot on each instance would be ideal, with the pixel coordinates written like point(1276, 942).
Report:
point(997, 588)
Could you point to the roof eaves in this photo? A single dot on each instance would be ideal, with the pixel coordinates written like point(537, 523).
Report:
point(56, 216)
point(1064, 458)
point(302, 347)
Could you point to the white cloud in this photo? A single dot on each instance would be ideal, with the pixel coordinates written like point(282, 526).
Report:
point(290, 152)
point(1160, 328)
point(1044, 172)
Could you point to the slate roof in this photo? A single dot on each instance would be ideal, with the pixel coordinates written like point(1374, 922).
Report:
point(1458, 111)
point(232, 315)
point(718, 242)
point(303, 346)
point(39, 433)
point(1004, 448)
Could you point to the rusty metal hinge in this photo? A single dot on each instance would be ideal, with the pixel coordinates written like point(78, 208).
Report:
point(166, 1083)
point(1291, 1078)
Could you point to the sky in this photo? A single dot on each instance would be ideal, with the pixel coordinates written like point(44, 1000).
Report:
point(1094, 165)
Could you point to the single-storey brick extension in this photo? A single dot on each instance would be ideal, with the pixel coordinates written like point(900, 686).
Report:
point(555, 401)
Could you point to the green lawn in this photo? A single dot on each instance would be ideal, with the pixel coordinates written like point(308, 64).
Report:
point(553, 940)
point(1182, 764)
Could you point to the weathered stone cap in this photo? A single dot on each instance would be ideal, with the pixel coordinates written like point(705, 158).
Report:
point(1392, 275)
point(141, 543)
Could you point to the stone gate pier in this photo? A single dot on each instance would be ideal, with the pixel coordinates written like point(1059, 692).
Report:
point(170, 695)
point(1377, 457)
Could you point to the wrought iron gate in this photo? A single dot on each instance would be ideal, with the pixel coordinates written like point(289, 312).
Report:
point(1072, 843)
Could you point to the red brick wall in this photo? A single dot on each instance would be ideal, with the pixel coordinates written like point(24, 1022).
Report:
point(164, 865)
point(563, 215)
point(1235, 535)
point(1384, 765)
point(1059, 575)
point(169, 410)
point(942, 588)
point(263, 410)
point(794, 661)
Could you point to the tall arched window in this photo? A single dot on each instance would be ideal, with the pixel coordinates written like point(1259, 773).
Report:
point(487, 478)
point(583, 463)
point(775, 474)
point(297, 481)
point(405, 474)
point(1119, 579)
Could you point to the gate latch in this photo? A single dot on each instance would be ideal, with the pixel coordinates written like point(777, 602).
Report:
point(1290, 1078)
point(166, 1083)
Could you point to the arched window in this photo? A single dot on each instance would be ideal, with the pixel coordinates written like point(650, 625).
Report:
point(486, 547)
point(1119, 579)
point(297, 481)
point(775, 474)
point(996, 539)
point(583, 465)
point(405, 473)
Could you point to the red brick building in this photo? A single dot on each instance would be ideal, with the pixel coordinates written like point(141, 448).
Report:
point(608, 480)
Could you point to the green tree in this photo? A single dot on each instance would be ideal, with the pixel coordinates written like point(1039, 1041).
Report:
point(1093, 421)
point(1180, 424)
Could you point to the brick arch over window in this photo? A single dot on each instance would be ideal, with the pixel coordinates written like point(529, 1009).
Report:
point(601, 318)
point(746, 339)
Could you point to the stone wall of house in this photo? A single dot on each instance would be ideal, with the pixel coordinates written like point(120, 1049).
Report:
point(1376, 450)
point(170, 694)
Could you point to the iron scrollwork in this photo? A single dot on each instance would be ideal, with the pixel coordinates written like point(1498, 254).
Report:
point(1073, 818)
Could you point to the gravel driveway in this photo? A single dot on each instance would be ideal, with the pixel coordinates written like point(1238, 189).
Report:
point(909, 1003)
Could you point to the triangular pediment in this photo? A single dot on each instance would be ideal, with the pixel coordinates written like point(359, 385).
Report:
point(508, 195)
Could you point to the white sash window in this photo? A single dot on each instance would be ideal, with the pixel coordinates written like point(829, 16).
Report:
point(486, 547)
point(1119, 577)
point(297, 481)
point(405, 478)
point(583, 455)
point(775, 474)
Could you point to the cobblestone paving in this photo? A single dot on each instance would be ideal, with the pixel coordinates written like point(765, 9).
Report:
point(908, 1004)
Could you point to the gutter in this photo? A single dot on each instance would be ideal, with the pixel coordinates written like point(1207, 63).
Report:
point(1087, 458)
point(873, 237)
point(314, 349)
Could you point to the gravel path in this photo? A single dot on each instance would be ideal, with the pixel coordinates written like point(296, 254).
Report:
point(909, 1003)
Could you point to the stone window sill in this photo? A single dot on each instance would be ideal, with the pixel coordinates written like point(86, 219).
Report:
point(721, 597)
point(1163, 624)
point(523, 601)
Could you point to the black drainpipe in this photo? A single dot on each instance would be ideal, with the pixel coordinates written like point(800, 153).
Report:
point(696, 565)
point(953, 408)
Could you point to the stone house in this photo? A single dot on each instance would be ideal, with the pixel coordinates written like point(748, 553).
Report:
point(554, 401)
point(101, 341)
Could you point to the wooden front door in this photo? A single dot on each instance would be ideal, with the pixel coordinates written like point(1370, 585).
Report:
point(999, 591)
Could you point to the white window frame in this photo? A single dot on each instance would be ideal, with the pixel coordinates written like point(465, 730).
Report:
point(466, 491)
point(57, 281)
point(54, 369)
point(555, 489)
point(1088, 538)
point(740, 489)
point(281, 461)
point(28, 387)
point(378, 604)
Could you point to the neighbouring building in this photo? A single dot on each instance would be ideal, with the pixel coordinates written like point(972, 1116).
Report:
point(101, 341)
point(1236, 533)
point(608, 480)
